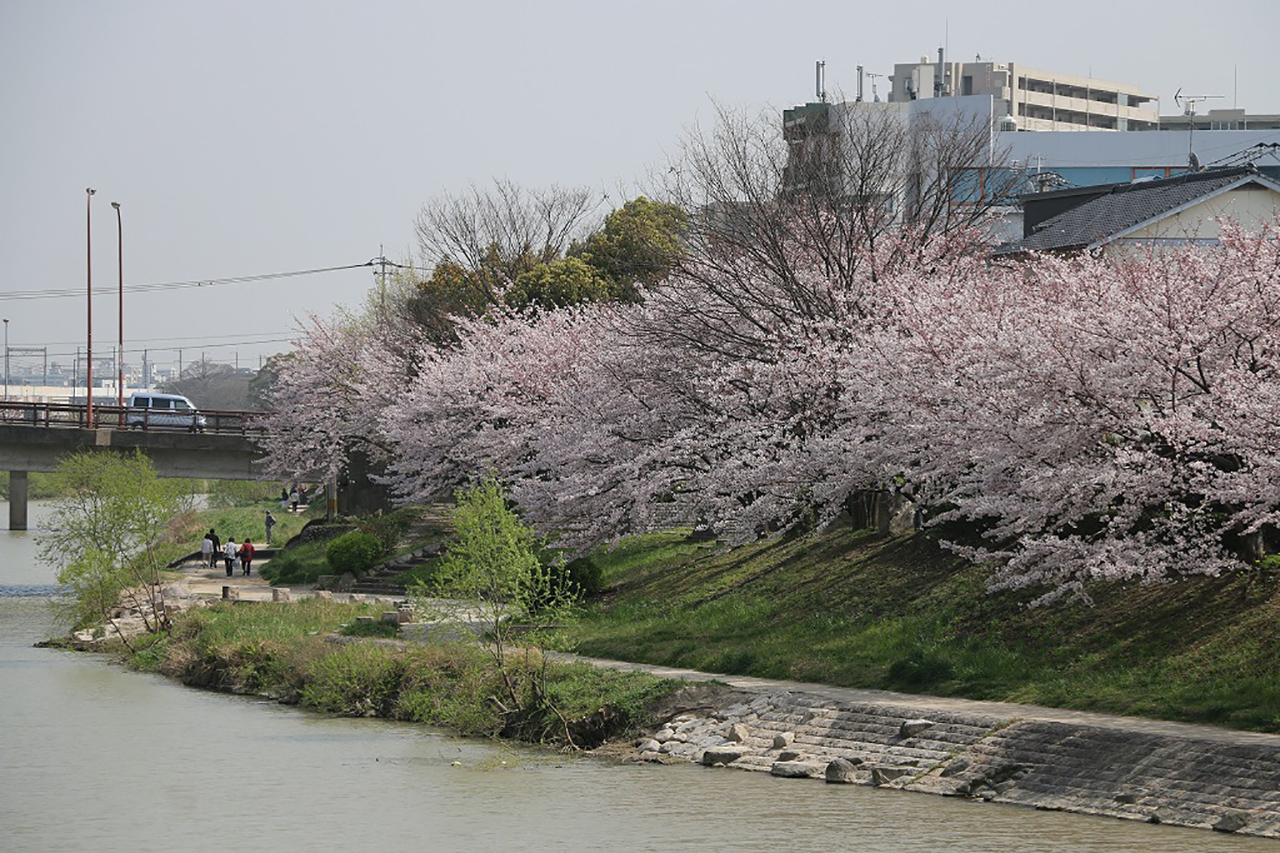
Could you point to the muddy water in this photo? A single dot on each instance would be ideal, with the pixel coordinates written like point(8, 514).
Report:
point(93, 757)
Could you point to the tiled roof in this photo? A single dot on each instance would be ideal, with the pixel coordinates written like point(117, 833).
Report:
point(1126, 206)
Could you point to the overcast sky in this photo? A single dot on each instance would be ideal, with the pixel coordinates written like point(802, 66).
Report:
point(244, 138)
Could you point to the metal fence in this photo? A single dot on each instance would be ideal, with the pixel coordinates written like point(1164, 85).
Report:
point(69, 415)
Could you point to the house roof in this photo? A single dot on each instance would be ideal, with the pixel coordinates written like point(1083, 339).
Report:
point(1124, 208)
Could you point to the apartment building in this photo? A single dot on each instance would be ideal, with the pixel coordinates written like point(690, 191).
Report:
point(1029, 98)
point(1221, 120)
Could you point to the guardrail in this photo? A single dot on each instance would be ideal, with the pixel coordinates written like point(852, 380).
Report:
point(69, 415)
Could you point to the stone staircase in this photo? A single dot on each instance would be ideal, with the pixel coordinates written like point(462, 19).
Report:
point(1170, 778)
point(387, 578)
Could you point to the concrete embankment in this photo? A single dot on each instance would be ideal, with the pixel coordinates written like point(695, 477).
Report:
point(1172, 773)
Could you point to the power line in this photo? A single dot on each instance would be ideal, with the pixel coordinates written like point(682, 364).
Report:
point(62, 293)
point(190, 341)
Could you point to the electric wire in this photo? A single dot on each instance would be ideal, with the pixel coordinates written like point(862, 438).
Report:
point(151, 287)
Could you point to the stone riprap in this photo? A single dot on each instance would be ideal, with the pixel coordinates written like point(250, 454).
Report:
point(1118, 772)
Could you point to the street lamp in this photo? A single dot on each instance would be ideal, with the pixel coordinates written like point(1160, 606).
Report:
point(6, 359)
point(120, 354)
point(88, 251)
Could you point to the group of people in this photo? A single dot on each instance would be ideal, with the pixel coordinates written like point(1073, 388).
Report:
point(235, 556)
point(290, 497)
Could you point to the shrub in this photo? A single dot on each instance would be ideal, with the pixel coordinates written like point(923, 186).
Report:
point(353, 552)
point(389, 528)
point(359, 680)
point(586, 575)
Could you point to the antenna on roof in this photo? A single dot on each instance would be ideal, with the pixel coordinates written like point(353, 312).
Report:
point(820, 80)
point(1188, 104)
point(875, 96)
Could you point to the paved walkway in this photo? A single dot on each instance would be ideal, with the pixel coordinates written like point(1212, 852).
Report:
point(913, 704)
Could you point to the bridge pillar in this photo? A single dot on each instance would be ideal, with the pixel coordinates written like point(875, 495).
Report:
point(17, 500)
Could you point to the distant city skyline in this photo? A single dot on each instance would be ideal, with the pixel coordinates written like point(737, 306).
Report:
point(244, 139)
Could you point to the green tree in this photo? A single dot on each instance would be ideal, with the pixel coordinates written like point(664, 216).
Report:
point(493, 578)
point(102, 537)
point(559, 284)
point(451, 291)
point(638, 245)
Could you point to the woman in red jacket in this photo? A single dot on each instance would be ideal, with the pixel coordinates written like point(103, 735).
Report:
point(246, 555)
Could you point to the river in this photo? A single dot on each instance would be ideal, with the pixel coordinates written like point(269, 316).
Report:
point(95, 757)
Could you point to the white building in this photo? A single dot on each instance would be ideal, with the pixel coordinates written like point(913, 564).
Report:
point(1032, 98)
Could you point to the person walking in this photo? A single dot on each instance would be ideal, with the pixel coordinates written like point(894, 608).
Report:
point(293, 498)
point(206, 549)
point(229, 554)
point(217, 549)
point(284, 499)
point(246, 555)
point(271, 522)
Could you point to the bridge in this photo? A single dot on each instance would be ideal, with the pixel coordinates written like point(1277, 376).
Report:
point(35, 436)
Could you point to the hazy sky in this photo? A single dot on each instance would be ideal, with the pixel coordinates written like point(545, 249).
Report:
point(255, 137)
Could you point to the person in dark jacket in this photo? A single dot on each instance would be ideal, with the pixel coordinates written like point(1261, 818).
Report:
point(217, 549)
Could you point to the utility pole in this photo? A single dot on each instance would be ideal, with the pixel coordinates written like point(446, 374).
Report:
point(146, 373)
point(120, 351)
point(382, 282)
point(88, 254)
point(179, 365)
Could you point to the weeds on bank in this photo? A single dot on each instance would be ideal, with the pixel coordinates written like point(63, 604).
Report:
point(284, 650)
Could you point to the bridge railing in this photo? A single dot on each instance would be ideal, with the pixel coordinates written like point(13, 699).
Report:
point(68, 415)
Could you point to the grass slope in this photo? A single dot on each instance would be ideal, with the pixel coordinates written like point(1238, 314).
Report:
point(846, 608)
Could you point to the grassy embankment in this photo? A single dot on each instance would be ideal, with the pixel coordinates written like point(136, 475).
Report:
point(846, 608)
point(235, 510)
point(288, 651)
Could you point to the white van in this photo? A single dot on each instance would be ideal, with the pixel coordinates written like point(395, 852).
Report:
point(165, 410)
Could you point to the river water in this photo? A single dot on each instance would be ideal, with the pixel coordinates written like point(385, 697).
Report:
point(94, 757)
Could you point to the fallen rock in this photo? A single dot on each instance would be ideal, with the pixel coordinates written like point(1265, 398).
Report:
point(663, 735)
point(722, 755)
point(1229, 823)
point(783, 740)
point(842, 771)
point(959, 765)
point(795, 769)
point(281, 593)
point(911, 728)
point(648, 745)
point(738, 733)
point(789, 755)
point(884, 775)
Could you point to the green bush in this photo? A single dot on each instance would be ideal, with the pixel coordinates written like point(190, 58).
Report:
point(389, 528)
point(586, 575)
point(353, 552)
point(359, 680)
